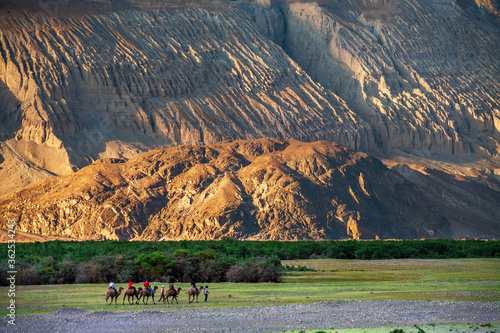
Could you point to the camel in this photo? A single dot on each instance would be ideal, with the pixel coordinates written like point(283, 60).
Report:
point(193, 292)
point(172, 293)
point(110, 293)
point(145, 293)
point(130, 293)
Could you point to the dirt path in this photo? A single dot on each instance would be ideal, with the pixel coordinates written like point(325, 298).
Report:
point(323, 315)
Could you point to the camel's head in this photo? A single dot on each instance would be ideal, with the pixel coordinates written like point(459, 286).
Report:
point(121, 288)
point(155, 288)
point(179, 289)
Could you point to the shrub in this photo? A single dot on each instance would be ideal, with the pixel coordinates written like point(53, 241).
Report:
point(253, 271)
point(299, 268)
point(156, 266)
point(66, 272)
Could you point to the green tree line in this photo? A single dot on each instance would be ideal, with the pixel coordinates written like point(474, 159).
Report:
point(209, 261)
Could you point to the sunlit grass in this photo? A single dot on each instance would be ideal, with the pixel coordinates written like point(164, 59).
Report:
point(333, 280)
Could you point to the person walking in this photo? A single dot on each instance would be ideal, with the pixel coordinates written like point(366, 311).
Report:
point(162, 293)
point(206, 293)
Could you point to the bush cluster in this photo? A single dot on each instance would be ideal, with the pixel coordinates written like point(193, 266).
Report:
point(210, 261)
point(182, 265)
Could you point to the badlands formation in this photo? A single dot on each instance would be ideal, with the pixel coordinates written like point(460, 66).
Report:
point(260, 189)
point(412, 82)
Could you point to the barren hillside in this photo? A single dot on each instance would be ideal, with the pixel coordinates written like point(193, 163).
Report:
point(75, 88)
point(423, 73)
point(262, 189)
point(412, 82)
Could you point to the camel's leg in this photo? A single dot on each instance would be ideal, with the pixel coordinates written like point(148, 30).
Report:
point(153, 298)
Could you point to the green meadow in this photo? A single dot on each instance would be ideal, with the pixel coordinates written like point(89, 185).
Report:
point(327, 280)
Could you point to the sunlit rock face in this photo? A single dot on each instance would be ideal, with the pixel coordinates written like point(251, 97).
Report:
point(264, 189)
point(75, 87)
point(424, 74)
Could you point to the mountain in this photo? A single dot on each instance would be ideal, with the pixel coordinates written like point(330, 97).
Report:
point(266, 189)
point(76, 87)
point(424, 74)
point(413, 82)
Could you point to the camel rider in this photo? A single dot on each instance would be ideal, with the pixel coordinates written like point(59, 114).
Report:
point(193, 284)
point(146, 285)
point(171, 287)
point(131, 285)
point(112, 285)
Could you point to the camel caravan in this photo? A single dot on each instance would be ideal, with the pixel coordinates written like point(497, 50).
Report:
point(134, 295)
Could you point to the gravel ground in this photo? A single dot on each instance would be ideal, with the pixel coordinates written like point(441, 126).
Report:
point(323, 315)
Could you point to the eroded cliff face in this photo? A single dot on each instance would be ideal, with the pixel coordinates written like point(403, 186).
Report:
point(78, 87)
point(415, 82)
point(261, 189)
point(423, 74)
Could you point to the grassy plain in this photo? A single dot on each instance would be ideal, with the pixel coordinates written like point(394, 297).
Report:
point(332, 280)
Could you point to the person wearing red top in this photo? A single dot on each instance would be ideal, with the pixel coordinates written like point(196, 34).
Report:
point(146, 285)
point(131, 285)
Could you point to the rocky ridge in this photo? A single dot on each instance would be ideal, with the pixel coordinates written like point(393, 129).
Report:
point(266, 189)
